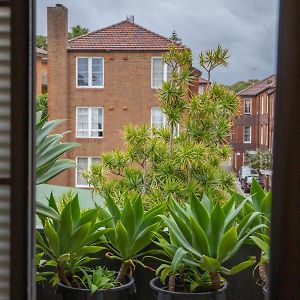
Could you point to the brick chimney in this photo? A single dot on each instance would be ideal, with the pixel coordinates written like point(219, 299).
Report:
point(58, 64)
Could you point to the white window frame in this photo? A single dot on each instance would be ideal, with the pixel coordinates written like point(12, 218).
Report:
point(250, 100)
point(90, 74)
point(247, 142)
point(267, 105)
point(89, 158)
point(165, 72)
point(164, 125)
point(200, 89)
point(90, 123)
point(262, 104)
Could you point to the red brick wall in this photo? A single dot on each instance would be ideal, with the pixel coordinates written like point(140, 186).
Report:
point(41, 70)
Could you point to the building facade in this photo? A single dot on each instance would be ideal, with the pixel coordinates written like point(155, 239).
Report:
point(253, 126)
point(41, 71)
point(100, 82)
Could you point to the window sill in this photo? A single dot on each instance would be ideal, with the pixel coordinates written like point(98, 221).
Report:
point(89, 87)
point(88, 137)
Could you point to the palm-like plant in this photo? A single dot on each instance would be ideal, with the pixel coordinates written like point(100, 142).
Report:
point(67, 244)
point(210, 234)
point(48, 149)
point(132, 231)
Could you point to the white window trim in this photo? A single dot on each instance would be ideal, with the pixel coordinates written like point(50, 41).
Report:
point(89, 86)
point(90, 123)
point(165, 72)
point(247, 142)
point(250, 99)
point(164, 120)
point(262, 104)
point(202, 89)
point(89, 167)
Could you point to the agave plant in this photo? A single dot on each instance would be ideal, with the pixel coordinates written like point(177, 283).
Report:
point(208, 235)
point(133, 230)
point(67, 244)
point(48, 150)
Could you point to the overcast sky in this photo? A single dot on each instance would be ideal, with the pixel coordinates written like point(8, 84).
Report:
point(248, 28)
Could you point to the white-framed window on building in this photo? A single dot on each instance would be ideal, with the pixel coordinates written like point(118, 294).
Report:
point(159, 120)
point(247, 106)
point(200, 89)
point(247, 134)
point(89, 72)
point(89, 122)
point(83, 163)
point(159, 72)
point(246, 159)
point(267, 104)
point(261, 134)
point(262, 105)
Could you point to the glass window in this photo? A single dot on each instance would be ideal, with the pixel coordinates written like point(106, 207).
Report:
point(84, 164)
point(247, 106)
point(90, 72)
point(247, 134)
point(200, 90)
point(160, 72)
point(89, 122)
point(159, 120)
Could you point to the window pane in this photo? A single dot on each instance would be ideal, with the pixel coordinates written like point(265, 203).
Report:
point(82, 122)
point(96, 118)
point(97, 72)
point(82, 72)
point(157, 117)
point(82, 165)
point(95, 160)
point(157, 72)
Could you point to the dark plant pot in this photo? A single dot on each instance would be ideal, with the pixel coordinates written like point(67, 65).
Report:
point(265, 292)
point(123, 292)
point(161, 294)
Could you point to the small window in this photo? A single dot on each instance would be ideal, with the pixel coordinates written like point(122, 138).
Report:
point(84, 164)
point(90, 72)
point(159, 120)
point(262, 105)
point(247, 106)
point(200, 90)
point(89, 122)
point(247, 134)
point(159, 72)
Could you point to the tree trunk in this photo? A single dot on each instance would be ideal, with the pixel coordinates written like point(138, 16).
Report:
point(171, 138)
point(171, 283)
point(124, 270)
point(263, 274)
point(215, 280)
point(62, 275)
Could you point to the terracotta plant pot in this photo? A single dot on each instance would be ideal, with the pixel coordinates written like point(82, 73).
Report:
point(162, 294)
point(123, 292)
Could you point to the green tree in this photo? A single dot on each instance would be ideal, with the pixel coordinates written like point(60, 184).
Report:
point(261, 160)
point(41, 41)
point(77, 31)
point(163, 165)
point(212, 58)
point(42, 104)
point(175, 38)
point(241, 85)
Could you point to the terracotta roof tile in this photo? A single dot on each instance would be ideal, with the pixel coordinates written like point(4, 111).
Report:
point(125, 35)
point(259, 87)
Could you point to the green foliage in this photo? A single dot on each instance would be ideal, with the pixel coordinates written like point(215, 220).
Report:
point(132, 231)
point(241, 85)
point(42, 104)
point(67, 244)
point(100, 278)
point(212, 58)
point(162, 166)
point(77, 31)
point(41, 41)
point(261, 160)
point(210, 234)
point(175, 38)
point(48, 150)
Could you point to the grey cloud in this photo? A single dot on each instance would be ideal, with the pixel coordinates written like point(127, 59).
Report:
point(246, 28)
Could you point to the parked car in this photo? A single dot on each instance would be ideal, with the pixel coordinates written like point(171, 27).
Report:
point(246, 171)
point(246, 182)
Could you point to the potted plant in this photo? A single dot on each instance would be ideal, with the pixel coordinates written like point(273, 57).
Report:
point(68, 246)
point(132, 231)
point(203, 236)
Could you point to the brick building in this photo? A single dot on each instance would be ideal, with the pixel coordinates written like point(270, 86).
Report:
point(41, 71)
point(101, 81)
point(253, 125)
